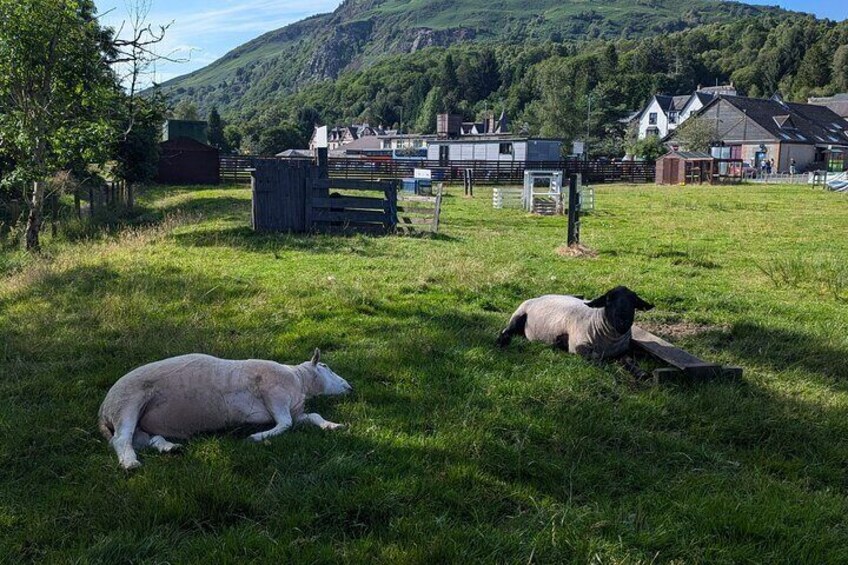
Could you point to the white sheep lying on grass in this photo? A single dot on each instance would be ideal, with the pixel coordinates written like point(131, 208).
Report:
point(190, 394)
point(599, 329)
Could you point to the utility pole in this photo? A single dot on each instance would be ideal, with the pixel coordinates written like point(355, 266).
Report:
point(588, 125)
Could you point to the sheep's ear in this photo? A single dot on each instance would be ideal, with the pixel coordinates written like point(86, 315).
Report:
point(316, 357)
point(599, 302)
point(642, 305)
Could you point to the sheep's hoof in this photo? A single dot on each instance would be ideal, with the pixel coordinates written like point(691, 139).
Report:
point(131, 465)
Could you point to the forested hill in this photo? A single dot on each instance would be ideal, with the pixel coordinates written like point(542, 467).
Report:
point(361, 32)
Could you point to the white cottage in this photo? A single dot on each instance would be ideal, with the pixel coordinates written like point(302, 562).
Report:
point(664, 113)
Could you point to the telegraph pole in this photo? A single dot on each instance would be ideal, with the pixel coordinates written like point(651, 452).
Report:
point(588, 126)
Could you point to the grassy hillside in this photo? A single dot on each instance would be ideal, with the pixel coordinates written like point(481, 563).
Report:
point(456, 451)
point(361, 32)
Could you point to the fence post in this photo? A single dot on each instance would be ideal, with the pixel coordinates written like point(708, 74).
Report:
point(391, 205)
point(573, 211)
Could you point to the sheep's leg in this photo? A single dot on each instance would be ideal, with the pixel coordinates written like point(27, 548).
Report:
point(585, 351)
point(122, 443)
point(162, 445)
point(141, 439)
point(318, 421)
point(561, 342)
point(515, 327)
point(279, 409)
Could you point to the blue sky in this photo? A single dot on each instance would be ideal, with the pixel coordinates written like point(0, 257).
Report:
point(204, 30)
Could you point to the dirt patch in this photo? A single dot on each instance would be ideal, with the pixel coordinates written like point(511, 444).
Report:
point(672, 331)
point(577, 250)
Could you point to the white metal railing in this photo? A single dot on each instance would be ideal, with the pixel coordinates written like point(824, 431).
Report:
point(777, 178)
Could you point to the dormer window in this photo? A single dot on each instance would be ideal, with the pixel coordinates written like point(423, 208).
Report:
point(672, 117)
point(784, 122)
point(652, 118)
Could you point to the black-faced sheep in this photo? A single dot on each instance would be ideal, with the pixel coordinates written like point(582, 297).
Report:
point(599, 329)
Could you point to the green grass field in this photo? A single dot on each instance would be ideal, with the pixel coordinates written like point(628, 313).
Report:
point(456, 451)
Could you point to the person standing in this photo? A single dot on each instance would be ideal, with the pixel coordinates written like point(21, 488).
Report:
point(793, 170)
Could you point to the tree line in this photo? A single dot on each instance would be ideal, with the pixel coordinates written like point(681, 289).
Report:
point(547, 89)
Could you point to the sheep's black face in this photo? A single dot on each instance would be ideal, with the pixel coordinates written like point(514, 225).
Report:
point(620, 305)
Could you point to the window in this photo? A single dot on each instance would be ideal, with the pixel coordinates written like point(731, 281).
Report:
point(652, 118)
point(672, 117)
point(653, 131)
point(505, 149)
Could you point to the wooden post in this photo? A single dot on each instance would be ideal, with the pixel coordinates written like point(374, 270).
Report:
point(391, 206)
point(573, 212)
point(438, 211)
point(323, 162)
point(77, 203)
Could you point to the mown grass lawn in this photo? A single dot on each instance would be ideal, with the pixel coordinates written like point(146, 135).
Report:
point(455, 451)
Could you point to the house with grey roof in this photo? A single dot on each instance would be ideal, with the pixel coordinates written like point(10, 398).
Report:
point(340, 136)
point(838, 103)
point(812, 137)
point(664, 113)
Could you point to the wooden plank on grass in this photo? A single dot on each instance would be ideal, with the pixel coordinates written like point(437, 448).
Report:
point(370, 229)
point(406, 198)
point(416, 221)
point(349, 202)
point(674, 356)
point(417, 210)
point(349, 216)
point(349, 184)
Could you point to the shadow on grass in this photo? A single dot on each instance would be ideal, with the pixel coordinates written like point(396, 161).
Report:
point(451, 439)
point(782, 350)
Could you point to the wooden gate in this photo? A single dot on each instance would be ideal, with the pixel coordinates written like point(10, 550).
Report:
point(282, 194)
point(373, 212)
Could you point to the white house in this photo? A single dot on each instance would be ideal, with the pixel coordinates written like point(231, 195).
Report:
point(664, 113)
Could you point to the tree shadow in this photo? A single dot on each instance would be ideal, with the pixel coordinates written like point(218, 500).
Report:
point(449, 436)
point(778, 350)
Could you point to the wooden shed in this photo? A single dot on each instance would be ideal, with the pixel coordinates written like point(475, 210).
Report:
point(186, 161)
point(685, 167)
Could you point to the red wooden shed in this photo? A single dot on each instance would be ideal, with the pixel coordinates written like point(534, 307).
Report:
point(685, 167)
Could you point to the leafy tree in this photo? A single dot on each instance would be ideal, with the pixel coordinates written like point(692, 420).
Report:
point(695, 134)
point(840, 68)
point(137, 153)
point(650, 149)
point(57, 91)
point(232, 135)
point(186, 110)
point(477, 76)
point(270, 141)
point(426, 122)
point(815, 68)
point(449, 84)
point(307, 118)
point(216, 130)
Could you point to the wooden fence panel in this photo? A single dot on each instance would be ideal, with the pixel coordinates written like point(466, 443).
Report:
point(235, 170)
point(281, 195)
point(345, 213)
